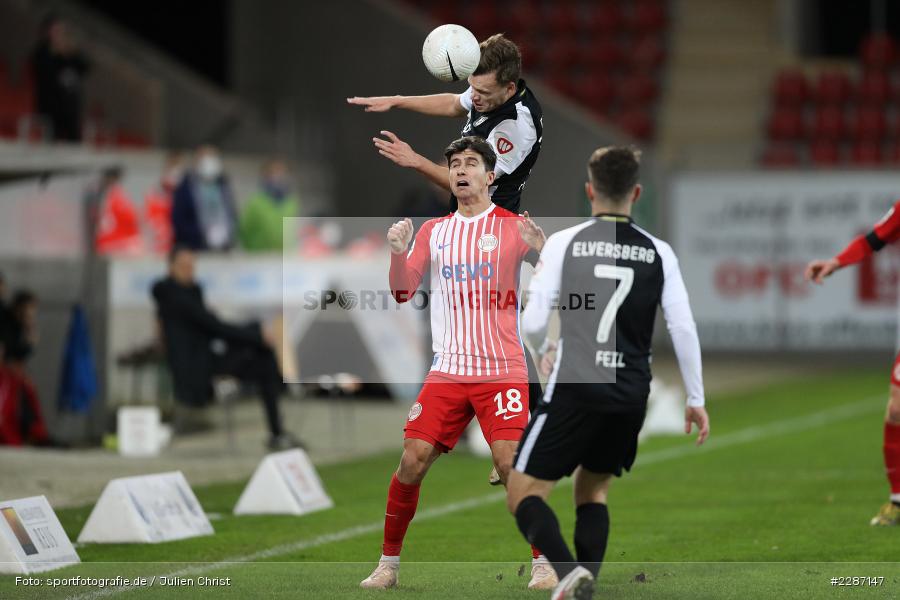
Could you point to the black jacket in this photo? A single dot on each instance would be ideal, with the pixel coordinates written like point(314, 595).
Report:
point(188, 328)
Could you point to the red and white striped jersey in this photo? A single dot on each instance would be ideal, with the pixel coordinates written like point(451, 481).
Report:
point(475, 264)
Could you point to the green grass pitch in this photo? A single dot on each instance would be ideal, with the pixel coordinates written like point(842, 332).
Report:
point(774, 506)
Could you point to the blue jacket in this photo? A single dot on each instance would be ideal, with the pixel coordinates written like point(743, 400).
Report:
point(185, 221)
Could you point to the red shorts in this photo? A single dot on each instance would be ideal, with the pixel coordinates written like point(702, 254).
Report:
point(443, 410)
point(895, 371)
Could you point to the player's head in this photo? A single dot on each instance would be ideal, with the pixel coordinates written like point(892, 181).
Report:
point(471, 161)
point(613, 178)
point(181, 264)
point(494, 81)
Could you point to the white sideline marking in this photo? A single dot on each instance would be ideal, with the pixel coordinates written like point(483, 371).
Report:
point(742, 436)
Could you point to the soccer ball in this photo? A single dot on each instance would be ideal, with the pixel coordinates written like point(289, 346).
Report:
point(451, 53)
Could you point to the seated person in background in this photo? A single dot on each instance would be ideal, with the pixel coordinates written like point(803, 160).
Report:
point(262, 218)
point(158, 204)
point(203, 213)
point(189, 329)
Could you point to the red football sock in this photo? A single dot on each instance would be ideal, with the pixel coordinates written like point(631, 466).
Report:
point(401, 508)
point(892, 455)
point(535, 553)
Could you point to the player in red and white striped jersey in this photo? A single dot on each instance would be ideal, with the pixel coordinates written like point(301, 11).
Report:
point(886, 231)
point(474, 263)
point(474, 256)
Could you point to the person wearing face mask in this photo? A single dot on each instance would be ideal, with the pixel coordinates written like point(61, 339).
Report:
point(203, 213)
point(158, 204)
point(261, 225)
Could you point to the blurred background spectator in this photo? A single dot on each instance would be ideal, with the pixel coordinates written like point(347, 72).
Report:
point(22, 333)
point(60, 69)
point(158, 204)
point(203, 212)
point(199, 346)
point(262, 220)
point(118, 225)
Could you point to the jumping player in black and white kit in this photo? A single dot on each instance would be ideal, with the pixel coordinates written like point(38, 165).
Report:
point(501, 110)
point(596, 396)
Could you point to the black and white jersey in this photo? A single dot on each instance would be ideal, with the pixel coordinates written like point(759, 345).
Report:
point(606, 277)
point(514, 130)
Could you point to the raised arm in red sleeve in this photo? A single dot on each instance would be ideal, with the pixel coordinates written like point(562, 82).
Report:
point(886, 231)
point(407, 267)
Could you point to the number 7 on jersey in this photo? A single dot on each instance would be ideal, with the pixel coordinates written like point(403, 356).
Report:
point(625, 275)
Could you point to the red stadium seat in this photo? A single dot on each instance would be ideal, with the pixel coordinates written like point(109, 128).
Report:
point(561, 54)
point(128, 139)
point(867, 153)
point(791, 87)
point(833, 87)
point(824, 153)
point(561, 17)
point(878, 50)
point(781, 156)
point(829, 123)
point(605, 18)
point(602, 53)
point(595, 91)
point(483, 22)
point(647, 52)
point(868, 123)
point(786, 124)
point(636, 122)
point(524, 20)
point(531, 55)
point(874, 87)
point(443, 12)
point(647, 16)
point(638, 88)
point(563, 84)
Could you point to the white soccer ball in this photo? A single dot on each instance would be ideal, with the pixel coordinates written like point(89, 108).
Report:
point(451, 53)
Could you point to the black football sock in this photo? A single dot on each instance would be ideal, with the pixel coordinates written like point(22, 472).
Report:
point(591, 534)
point(538, 524)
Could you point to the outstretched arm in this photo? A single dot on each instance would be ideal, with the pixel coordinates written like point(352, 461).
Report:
point(402, 154)
point(438, 105)
point(886, 231)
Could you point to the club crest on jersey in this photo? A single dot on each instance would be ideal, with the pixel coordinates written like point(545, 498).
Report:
point(488, 242)
point(414, 411)
point(504, 146)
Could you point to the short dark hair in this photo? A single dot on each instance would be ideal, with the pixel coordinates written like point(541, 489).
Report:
point(501, 56)
point(22, 298)
point(176, 250)
point(476, 144)
point(613, 171)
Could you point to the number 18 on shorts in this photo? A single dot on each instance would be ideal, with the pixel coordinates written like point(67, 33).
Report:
point(443, 411)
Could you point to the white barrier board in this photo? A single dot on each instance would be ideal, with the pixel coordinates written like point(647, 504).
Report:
point(31, 537)
point(146, 509)
point(284, 483)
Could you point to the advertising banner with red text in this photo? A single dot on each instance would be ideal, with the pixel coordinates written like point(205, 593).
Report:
point(743, 241)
